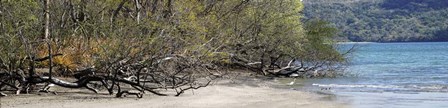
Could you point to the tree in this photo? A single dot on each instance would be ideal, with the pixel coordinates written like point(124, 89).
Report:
point(147, 44)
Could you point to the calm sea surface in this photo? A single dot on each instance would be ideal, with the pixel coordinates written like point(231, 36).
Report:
point(393, 75)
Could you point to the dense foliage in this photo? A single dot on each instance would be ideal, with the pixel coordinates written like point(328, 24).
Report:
point(384, 20)
point(170, 44)
point(93, 33)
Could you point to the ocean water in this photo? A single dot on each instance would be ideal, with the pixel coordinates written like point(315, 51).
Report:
point(392, 75)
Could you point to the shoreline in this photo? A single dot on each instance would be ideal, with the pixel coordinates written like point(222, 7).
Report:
point(355, 42)
point(252, 93)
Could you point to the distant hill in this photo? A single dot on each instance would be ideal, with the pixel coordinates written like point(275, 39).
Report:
point(383, 20)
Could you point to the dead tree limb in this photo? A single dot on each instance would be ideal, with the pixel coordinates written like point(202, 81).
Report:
point(191, 87)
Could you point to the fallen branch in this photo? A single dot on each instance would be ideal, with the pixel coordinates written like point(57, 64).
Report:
point(85, 80)
point(191, 87)
point(125, 93)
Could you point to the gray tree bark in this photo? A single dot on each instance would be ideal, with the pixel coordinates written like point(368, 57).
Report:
point(47, 19)
point(138, 8)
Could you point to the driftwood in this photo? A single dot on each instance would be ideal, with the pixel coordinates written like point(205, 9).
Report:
point(291, 70)
point(3, 94)
point(286, 71)
point(173, 72)
point(125, 93)
point(87, 79)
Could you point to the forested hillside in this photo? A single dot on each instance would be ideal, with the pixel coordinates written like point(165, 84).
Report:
point(383, 20)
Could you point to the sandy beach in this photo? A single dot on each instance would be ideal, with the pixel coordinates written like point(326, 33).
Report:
point(220, 95)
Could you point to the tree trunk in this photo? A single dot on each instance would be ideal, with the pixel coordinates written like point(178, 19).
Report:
point(47, 34)
point(138, 8)
point(47, 19)
point(116, 11)
point(154, 7)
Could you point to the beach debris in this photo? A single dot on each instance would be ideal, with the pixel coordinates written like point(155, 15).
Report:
point(294, 75)
point(125, 93)
point(2, 94)
point(179, 73)
point(295, 72)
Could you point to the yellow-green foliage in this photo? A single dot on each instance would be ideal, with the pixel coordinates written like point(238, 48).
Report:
point(319, 42)
point(98, 32)
point(219, 57)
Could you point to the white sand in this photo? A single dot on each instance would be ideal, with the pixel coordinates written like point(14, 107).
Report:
point(216, 96)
